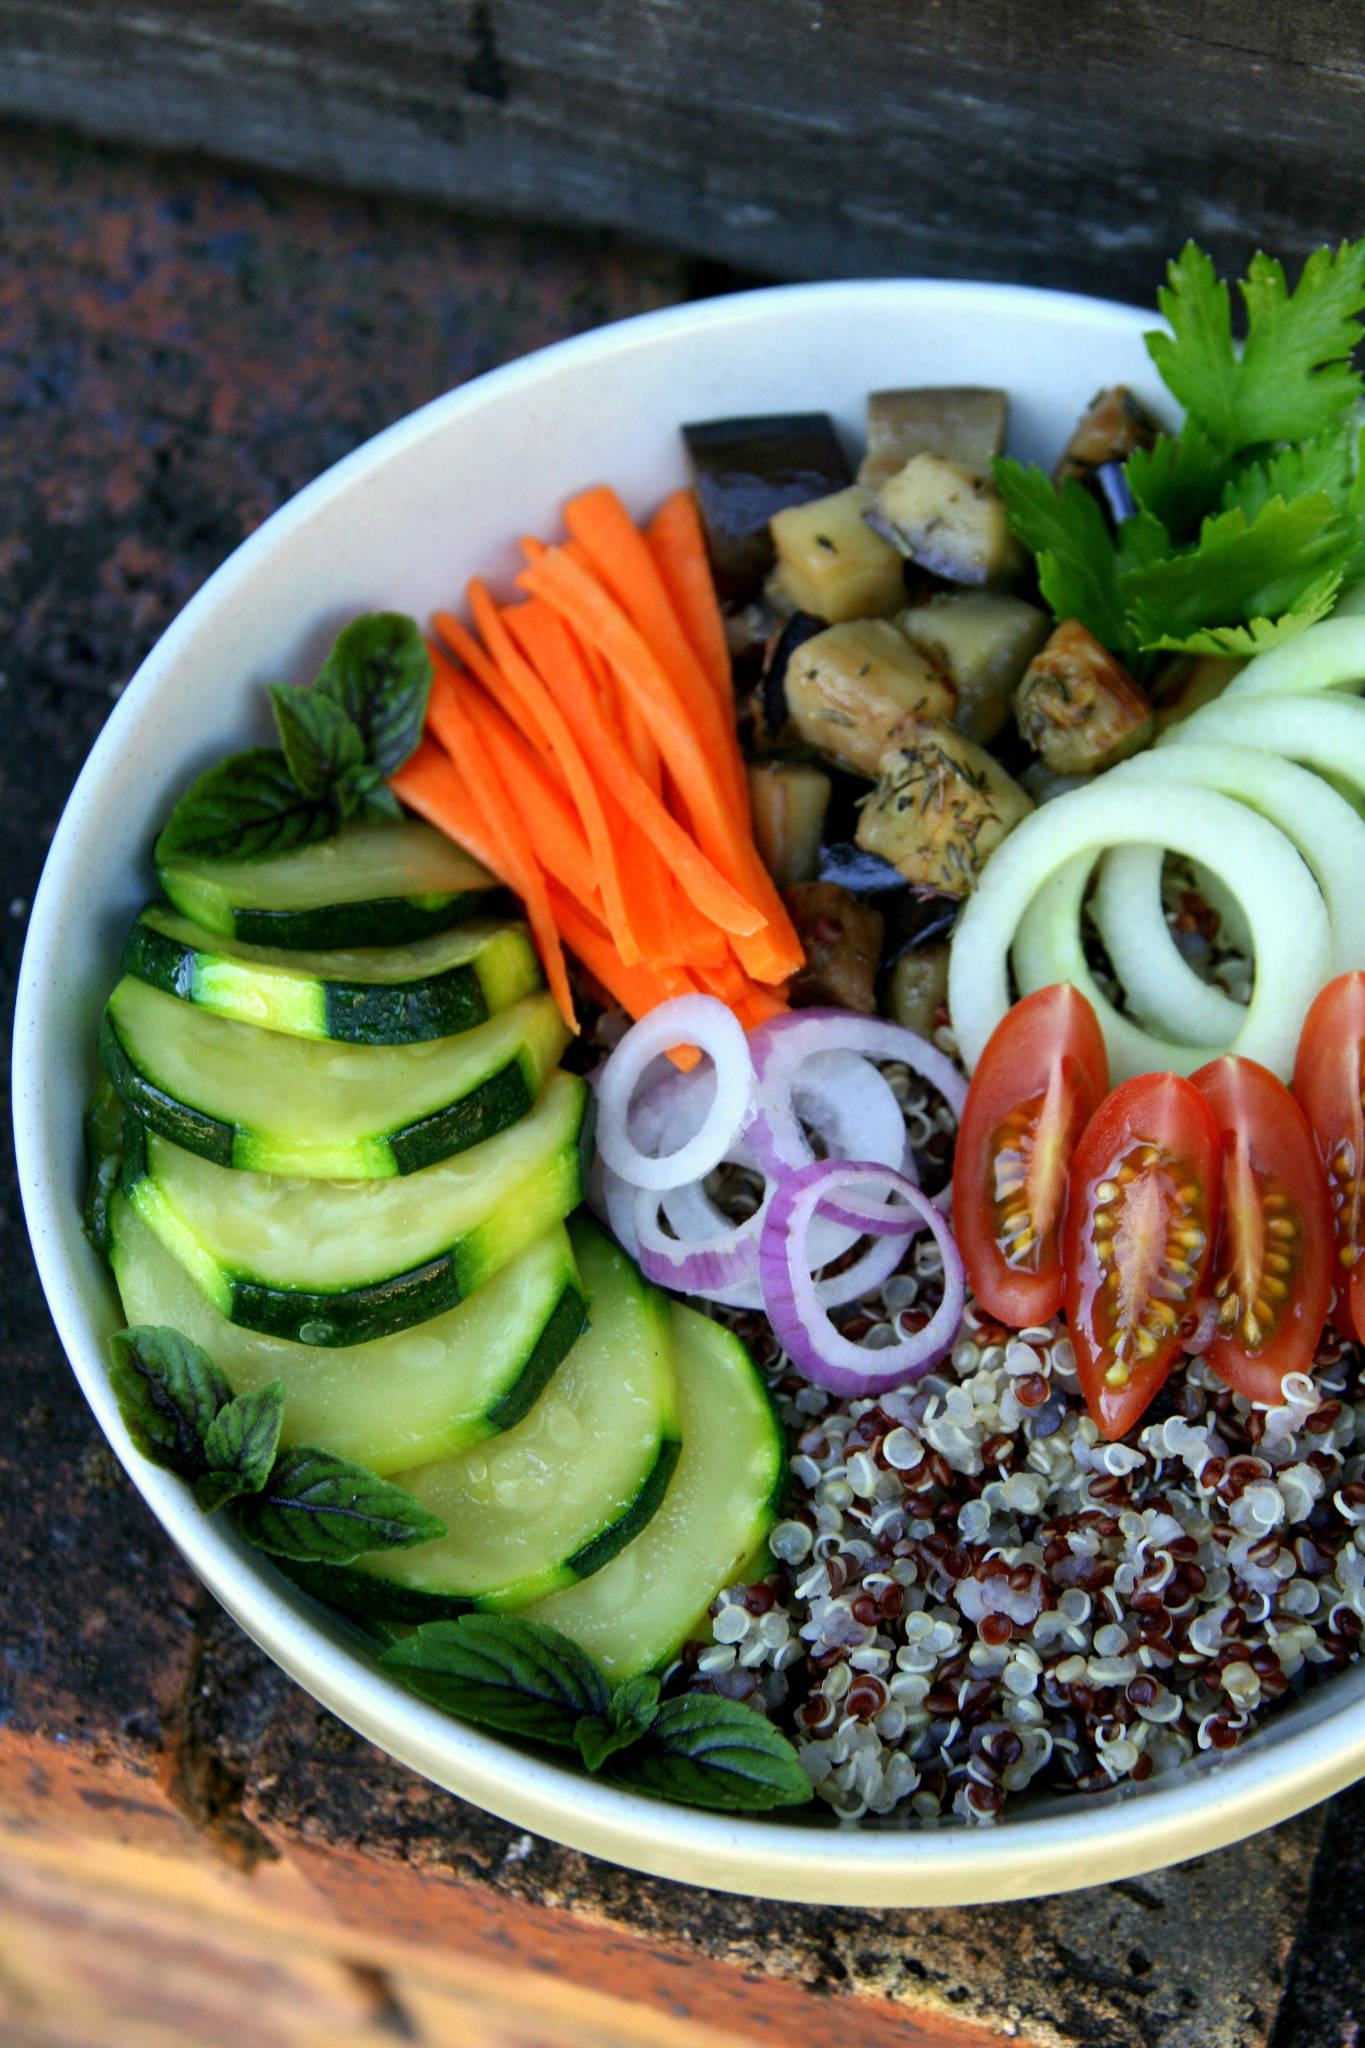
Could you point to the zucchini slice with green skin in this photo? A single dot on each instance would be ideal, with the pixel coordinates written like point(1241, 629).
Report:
point(389, 995)
point(337, 1262)
point(715, 1517)
point(423, 1394)
point(555, 1499)
point(374, 883)
point(245, 1097)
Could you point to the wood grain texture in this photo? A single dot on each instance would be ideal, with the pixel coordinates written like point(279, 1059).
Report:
point(1072, 147)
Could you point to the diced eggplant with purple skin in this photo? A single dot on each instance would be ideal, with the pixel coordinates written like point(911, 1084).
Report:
point(941, 806)
point(788, 801)
point(949, 519)
point(854, 689)
point(983, 640)
point(1078, 708)
point(1111, 427)
point(744, 470)
point(964, 422)
point(830, 562)
point(793, 633)
point(842, 937)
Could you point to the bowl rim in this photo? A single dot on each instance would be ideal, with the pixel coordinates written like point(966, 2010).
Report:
point(1213, 1802)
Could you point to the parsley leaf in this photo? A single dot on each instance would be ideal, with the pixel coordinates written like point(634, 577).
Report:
point(1282, 568)
point(1293, 377)
point(1077, 558)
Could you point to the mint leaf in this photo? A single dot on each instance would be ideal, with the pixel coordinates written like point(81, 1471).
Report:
point(320, 740)
point(240, 1445)
point(1077, 560)
point(379, 675)
point(316, 1506)
point(503, 1672)
point(702, 1751)
point(1288, 559)
point(246, 808)
point(1292, 377)
point(169, 1392)
point(632, 1712)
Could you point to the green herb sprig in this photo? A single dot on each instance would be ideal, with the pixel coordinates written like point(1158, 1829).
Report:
point(340, 737)
point(298, 1503)
point(526, 1679)
point(1248, 522)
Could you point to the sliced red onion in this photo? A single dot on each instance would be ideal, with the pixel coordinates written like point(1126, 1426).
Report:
point(793, 1306)
point(783, 1046)
point(697, 1020)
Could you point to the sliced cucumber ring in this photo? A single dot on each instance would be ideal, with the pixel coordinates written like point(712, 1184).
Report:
point(344, 1262)
point(1160, 985)
point(1284, 908)
point(372, 884)
point(389, 995)
point(423, 1394)
point(1328, 656)
point(248, 1098)
point(1323, 732)
point(554, 1499)
point(714, 1520)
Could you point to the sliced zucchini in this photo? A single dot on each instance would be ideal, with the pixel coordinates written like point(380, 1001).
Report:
point(556, 1498)
point(376, 995)
point(716, 1514)
point(343, 1262)
point(248, 1098)
point(423, 1394)
point(103, 1134)
point(373, 884)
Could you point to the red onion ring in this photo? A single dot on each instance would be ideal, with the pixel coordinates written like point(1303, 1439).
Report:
point(798, 1318)
point(782, 1046)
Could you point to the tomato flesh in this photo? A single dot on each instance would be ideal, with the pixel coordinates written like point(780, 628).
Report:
point(1142, 1208)
point(1036, 1085)
point(1272, 1266)
point(1329, 1086)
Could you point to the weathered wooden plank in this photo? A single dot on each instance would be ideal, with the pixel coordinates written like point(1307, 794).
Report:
point(796, 137)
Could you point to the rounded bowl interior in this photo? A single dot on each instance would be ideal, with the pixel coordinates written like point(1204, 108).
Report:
point(401, 524)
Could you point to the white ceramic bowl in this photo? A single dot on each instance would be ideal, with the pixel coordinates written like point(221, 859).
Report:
point(401, 524)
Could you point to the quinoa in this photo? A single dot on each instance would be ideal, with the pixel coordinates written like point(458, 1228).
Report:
point(974, 1596)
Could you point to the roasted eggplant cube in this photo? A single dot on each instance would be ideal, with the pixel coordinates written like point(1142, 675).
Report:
point(1111, 427)
point(964, 422)
point(854, 690)
point(941, 807)
point(949, 519)
point(745, 470)
point(830, 562)
point(842, 938)
point(983, 640)
point(1078, 708)
point(918, 987)
point(788, 801)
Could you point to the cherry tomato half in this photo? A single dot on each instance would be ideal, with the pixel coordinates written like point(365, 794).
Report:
point(1272, 1263)
point(1141, 1212)
point(1036, 1085)
point(1329, 1086)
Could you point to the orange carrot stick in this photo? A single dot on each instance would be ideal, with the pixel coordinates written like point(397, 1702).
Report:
point(509, 678)
point(620, 557)
point(675, 540)
point(637, 989)
point(476, 801)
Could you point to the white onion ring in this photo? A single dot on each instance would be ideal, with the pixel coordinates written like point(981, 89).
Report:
point(698, 1020)
point(801, 1325)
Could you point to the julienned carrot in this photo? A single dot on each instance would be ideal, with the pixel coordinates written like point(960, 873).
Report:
point(619, 555)
point(712, 893)
point(637, 989)
point(471, 803)
point(721, 828)
point(675, 539)
point(426, 783)
point(506, 676)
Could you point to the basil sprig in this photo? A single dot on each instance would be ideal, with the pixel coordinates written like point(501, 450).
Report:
point(340, 736)
point(526, 1679)
point(296, 1503)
